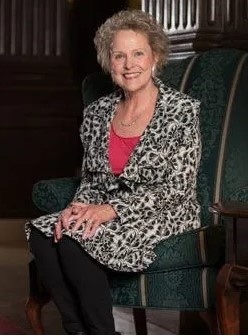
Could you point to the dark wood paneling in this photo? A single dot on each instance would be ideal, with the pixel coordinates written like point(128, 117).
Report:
point(39, 100)
point(32, 27)
point(38, 134)
point(46, 48)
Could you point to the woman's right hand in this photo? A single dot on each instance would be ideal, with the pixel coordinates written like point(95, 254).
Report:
point(63, 222)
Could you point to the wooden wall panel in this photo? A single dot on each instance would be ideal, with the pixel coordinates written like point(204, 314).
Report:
point(32, 27)
point(39, 101)
point(46, 49)
point(39, 137)
point(38, 140)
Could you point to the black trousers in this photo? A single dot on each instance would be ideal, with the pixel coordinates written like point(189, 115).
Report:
point(77, 283)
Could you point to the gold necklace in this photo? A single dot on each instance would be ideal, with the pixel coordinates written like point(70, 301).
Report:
point(129, 124)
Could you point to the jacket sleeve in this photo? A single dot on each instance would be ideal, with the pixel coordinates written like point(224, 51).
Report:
point(179, 173)
point(85, 191)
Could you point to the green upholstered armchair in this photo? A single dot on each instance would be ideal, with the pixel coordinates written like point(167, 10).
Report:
point(183, 276)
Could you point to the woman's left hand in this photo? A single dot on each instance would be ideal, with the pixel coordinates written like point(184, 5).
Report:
point(90, 217)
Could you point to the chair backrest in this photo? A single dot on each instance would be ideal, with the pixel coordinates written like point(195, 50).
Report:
point(219, 79)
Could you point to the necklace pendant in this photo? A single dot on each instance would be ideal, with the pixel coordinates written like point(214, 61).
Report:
point(127, 125)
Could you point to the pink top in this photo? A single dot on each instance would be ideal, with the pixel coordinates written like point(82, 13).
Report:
point(120, 149)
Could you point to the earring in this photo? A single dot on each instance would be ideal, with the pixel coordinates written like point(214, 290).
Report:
point(154, 70)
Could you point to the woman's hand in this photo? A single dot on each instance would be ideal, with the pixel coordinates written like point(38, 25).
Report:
point(86, 216)
point(63, 223)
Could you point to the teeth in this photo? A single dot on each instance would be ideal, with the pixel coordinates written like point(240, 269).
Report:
point(132, 75)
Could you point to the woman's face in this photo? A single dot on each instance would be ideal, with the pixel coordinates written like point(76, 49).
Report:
point(131, 60)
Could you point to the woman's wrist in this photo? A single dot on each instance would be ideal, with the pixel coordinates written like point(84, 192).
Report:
point(109, 210)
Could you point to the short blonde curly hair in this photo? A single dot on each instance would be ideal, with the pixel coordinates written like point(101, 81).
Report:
point(137, 21)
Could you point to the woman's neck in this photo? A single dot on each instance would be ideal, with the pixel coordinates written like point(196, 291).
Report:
point(135, 112)
point(140, 100)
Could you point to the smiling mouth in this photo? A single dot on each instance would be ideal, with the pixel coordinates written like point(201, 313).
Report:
point(131, 75)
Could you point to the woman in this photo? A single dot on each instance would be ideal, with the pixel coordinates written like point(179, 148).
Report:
point(141, 155)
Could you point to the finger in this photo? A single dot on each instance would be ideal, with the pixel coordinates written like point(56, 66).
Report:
point(56, 237)
point(90, 229)
point(57, 232)
point(94, 228)
point(80, 222)
point(86, 230)
point(80, 219)
point(65, 217)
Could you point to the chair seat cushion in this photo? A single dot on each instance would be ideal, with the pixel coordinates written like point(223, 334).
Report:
point(183, 289)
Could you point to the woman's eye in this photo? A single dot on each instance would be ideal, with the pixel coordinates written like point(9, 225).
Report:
point(139, 53)
point(118, 56)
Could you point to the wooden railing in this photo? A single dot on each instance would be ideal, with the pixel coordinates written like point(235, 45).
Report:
point(195, 25)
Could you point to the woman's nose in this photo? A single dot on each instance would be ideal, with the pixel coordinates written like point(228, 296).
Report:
point(129, 62)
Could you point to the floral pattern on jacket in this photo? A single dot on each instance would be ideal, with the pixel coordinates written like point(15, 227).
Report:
point(154, 197)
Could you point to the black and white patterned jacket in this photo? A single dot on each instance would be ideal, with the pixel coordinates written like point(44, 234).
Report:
point(155, 196)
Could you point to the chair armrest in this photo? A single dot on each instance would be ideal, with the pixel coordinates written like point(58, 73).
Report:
point(235, 206)
point(236, 210)
point(231, 209)
point(55, 194)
